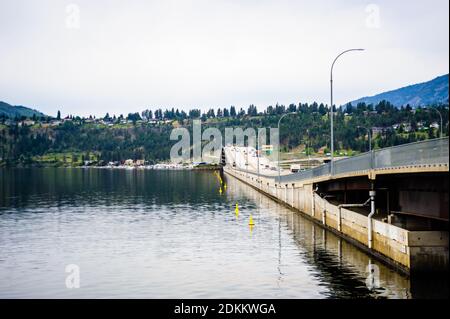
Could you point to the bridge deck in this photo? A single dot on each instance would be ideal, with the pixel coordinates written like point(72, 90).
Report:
point(424, 156)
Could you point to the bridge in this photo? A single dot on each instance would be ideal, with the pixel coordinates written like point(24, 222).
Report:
point(391, 202)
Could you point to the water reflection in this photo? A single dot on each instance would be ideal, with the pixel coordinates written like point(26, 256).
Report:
point(166, 234)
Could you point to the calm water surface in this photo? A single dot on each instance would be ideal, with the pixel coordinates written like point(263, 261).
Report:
point(169, 234)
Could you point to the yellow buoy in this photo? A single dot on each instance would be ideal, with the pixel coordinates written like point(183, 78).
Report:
point(236, 210)
point(225, 186)
point(250, 222)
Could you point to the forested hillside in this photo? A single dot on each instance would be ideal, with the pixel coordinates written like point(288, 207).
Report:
point(421, 94)
point(72, 140)
point(18, 111)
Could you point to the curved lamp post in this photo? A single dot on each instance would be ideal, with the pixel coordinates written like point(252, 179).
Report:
point(331, 106)
point(279, 166)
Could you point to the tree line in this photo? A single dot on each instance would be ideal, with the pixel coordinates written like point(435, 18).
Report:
point(308, 126)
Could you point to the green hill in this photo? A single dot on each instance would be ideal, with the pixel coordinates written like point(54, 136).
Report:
point(427, 93)
point(13, 111)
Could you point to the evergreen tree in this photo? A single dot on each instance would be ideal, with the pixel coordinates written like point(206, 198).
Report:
point(232, 111)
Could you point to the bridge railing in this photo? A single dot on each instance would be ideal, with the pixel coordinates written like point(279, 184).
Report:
point(360, 162)
point(428, 152)
point(318, 171)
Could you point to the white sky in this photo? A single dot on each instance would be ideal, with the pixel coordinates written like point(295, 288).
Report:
point(130, 55)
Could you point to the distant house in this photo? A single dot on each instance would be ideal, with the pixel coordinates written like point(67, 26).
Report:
point(378, 130)
point(434, 125)
point(129, 162)
point(55, 123)
point(26, 123)
point(406, 127)
point(89, 163)
point(420, 125)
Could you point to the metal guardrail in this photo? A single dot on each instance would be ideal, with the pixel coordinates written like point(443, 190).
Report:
point(428, 152)
point(419, 153)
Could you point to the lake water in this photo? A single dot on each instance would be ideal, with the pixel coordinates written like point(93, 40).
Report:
point(172, 234)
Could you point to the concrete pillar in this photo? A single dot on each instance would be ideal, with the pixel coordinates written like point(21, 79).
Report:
point(292, 199)
point(339, 219)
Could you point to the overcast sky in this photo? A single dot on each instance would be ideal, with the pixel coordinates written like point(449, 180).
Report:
point(120, 56)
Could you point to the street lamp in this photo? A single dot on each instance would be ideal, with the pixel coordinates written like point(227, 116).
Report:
point(331, 106)
point(440, 115)
point(279, 166)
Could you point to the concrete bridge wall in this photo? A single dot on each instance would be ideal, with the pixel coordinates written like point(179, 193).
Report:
point(409, 251)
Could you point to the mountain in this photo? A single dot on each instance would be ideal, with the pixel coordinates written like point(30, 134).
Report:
point(427, 93)
point(17, 110)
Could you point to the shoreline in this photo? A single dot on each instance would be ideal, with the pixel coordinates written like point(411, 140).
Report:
point(144, 167)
